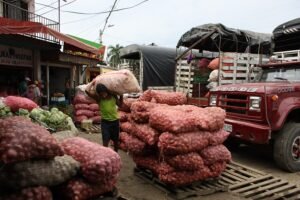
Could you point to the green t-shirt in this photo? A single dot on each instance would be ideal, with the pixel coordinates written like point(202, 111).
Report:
point(108, 109)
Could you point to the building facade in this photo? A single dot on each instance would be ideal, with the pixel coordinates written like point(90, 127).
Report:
point(37, 53)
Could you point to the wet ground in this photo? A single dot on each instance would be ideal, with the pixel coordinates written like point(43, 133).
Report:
point(134, 188)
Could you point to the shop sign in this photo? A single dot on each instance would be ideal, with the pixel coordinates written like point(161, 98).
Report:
point(15, 56)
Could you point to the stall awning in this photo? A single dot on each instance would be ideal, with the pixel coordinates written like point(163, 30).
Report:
point(10, 26)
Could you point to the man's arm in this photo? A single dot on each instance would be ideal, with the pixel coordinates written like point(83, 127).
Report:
point(119, 101)
point(93, 96)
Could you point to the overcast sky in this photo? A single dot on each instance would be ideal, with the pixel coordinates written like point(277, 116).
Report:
point(164, 21)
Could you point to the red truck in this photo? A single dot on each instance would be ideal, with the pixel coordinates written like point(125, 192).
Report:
point(267, 111)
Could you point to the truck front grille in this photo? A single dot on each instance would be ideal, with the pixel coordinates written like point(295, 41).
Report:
point(234, 103)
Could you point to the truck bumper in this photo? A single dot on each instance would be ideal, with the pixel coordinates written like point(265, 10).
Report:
point(248, 131)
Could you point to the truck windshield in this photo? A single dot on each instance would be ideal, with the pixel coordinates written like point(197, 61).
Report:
point(280, 74)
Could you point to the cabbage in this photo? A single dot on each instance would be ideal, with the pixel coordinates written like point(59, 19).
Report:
point(23, 112)
point(53, 119)
point(36, 113)
point(53, 110)
point(2, 113)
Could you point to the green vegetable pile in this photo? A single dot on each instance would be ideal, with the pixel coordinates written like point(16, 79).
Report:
point(5, 111)
point(53, 119)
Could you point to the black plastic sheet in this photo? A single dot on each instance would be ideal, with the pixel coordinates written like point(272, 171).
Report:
point(226, 39)
point(286, 36)
point(158, 64)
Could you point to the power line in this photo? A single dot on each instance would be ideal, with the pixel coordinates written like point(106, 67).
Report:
point(96, 13)
point(109, 14)
point(104, 12)
point(45, 6)
point(57, 8)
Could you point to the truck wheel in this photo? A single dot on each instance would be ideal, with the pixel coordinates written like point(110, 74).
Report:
point(287, 147)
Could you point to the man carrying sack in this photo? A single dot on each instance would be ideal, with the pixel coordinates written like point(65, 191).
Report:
point(110, 124)
point(104, 89)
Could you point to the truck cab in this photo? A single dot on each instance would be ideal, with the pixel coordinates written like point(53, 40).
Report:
point(267, 111)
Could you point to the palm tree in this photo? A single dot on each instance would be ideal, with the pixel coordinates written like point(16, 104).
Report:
point(114, 55)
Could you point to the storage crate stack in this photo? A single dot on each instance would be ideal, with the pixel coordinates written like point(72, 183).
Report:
point(180, 144)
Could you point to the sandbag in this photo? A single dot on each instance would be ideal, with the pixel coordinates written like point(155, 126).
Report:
point(218, 137)
point(214, 64)
point(87, 113)
point(170, 98)
point(213, 154)
point(34, 193)
point(123, 116)
point(38, 172)
point(80, 189)
point(142, 131)
point(20, 140)
point(146, 96)
point(214, 76)
point(181, 178)
point(180, 119)
point(94, 107)
point(217, 168)
point(164, 97)
point(127, 127)
point(82, 106)
point(98, 163)
point(145, 133)
point(173, 144)
point(125, 107)
point(147, 162)
point(140, 111)
point(132, 144)
point(119, 82)
point(186, 162)
point(15, 103)
point(83, 99)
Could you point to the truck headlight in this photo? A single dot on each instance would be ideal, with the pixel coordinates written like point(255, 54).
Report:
point(255, 103)
point(213, 100)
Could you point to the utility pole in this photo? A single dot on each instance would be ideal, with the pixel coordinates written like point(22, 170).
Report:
point(59, 13)
point(100, 36)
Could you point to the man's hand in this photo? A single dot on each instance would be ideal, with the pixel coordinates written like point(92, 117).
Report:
point(119, 101)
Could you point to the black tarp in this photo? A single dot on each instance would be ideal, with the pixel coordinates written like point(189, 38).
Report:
point(226, 39)
point(286, 36)
point(158, 63)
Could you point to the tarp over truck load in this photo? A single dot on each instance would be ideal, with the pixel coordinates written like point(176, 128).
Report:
point(226, 39)
point(286, 36)
point(158, 64)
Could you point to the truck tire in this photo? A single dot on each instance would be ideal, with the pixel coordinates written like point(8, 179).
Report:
point(286, 150)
